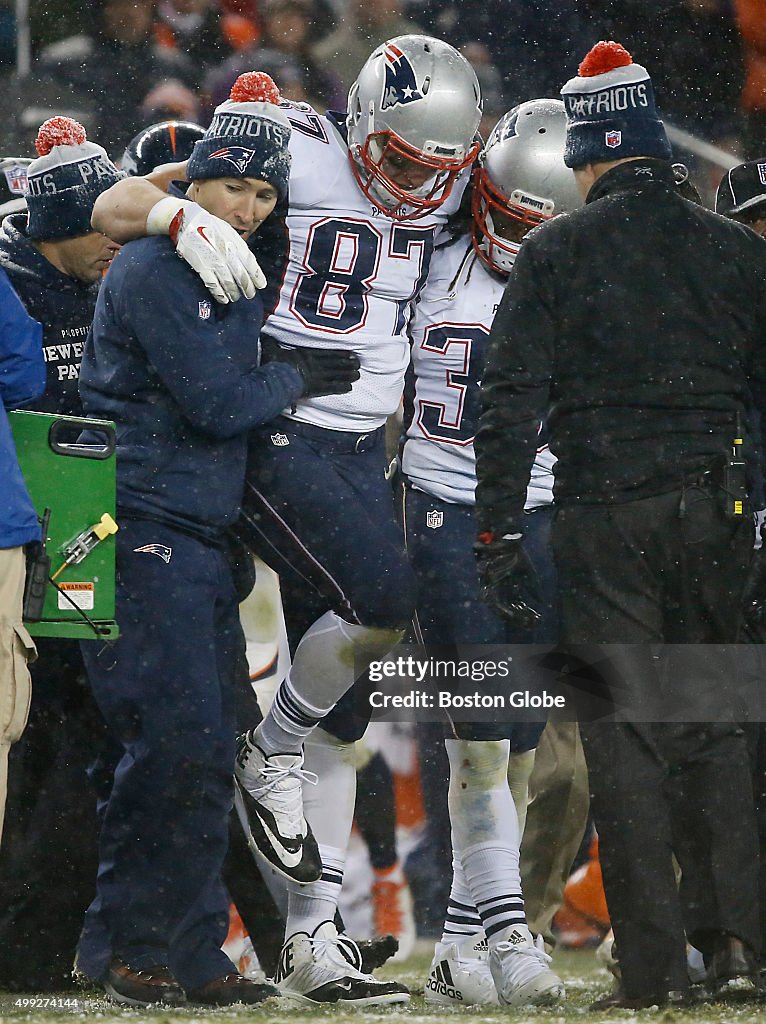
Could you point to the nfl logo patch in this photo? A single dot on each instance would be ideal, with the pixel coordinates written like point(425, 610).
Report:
point(762, 173)
point(434, 519)
point(613, 139)
point(280, 440)
point(205, 309)
point(16, 179)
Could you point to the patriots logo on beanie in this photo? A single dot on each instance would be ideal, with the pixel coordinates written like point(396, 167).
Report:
point(610, 109)
point(248, 136)
point(236, 155)
point(65, 180)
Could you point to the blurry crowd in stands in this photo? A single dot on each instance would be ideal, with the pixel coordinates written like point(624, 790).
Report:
point(119, 64)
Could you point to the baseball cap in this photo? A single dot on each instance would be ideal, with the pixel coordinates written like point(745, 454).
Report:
point(741, 187)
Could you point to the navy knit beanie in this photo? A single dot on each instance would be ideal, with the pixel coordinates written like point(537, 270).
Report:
point(65, 180)
point(248, 136)
point(610, 110)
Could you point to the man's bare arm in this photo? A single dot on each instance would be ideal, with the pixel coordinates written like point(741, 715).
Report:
point(121, 211)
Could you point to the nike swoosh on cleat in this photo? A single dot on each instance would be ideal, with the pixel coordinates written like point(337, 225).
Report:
point(294, 848)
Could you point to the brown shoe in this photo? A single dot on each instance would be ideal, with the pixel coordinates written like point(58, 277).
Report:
point(231, 988)
point(617, 1000)
point(731, 959)
point(130, 987)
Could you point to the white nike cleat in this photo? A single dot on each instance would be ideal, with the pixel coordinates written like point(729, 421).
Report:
point(460, 974)
point(319, 968)
point(520, 968)
point(268, 797)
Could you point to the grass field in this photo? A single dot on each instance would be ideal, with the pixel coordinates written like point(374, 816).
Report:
point(585, 981)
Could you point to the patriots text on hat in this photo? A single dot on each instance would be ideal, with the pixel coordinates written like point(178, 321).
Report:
point(611, 110)
point(65, 179)
point(226, 124)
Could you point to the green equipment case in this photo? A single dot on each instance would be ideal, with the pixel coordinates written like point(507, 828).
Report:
point(72, 486)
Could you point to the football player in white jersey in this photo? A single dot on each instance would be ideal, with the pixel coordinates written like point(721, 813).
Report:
point(368, 197)
point(487, 953)
point(368, 194)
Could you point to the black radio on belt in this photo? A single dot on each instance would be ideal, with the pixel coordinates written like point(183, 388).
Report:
point(37, 574)
point(735, 480)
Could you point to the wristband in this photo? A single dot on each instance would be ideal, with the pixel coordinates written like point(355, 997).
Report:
point(164, 212)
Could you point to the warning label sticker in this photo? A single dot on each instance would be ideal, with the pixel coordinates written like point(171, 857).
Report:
point(81, 594)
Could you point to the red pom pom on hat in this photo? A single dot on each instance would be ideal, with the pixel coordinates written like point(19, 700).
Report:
point(603, 57)
point(255, 87)
point(59, 131)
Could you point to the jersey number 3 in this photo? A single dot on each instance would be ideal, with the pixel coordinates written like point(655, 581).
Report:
point(455, 419)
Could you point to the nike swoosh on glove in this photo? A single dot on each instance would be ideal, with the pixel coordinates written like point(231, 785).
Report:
point(211, 247)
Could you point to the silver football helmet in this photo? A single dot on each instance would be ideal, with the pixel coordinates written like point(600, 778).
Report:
point(521, 180)
point(413, 114)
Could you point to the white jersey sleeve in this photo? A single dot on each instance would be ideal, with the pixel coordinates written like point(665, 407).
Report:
point(450, 329)
point(352, 275)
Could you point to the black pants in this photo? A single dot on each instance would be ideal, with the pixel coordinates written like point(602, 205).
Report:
point(49, 856)
point(649, 572)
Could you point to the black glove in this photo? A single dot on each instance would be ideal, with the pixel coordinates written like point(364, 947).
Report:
point(508, 579)
point(325, 371)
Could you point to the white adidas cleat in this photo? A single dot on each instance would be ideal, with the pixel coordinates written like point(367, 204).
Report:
point(268, 797)
point(519, 966)
point(460, 974)
point(319, 968)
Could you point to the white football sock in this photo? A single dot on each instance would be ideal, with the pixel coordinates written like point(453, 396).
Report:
point(309, 905)
point(486, 832)
point(462, 916)
point(331, 654)
point(329, 809)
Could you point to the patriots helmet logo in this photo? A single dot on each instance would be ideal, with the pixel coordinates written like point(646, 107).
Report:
point(506, 128)
point(399, 86)
point(160, 550)
point(236, 155)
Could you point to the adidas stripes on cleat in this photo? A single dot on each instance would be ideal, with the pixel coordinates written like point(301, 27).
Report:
point(460, 974)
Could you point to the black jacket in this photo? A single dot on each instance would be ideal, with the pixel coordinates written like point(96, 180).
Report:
point(62, 304)
point(635, 324)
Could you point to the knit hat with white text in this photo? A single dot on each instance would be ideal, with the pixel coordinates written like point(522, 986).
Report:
point(65, 180)
point(610, 110)
point(248, 136)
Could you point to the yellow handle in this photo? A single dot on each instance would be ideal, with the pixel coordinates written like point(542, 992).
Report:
point(105, 527)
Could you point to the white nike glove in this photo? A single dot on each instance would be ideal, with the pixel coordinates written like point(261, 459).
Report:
point(210, 246)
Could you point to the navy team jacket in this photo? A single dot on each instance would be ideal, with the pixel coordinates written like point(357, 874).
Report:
point(179, 375)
